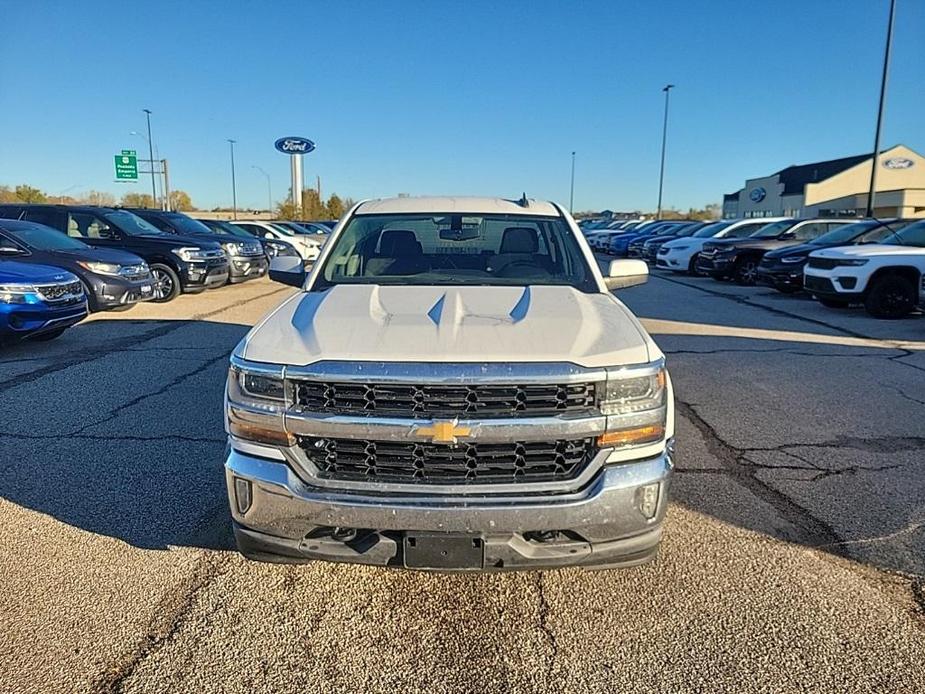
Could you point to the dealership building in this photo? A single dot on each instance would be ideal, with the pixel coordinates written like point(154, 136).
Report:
point(835, 188)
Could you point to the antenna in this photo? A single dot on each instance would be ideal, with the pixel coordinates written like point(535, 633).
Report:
point(523, 202)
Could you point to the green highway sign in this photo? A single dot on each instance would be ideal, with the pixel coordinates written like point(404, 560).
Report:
point(126, 165)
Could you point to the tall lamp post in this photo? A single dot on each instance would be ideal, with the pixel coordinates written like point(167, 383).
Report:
point(152, 163)
point(871, 194)
point(661, 174)
point(269, 191)
point(151, 154)
point(571, 194)
point(234, 188)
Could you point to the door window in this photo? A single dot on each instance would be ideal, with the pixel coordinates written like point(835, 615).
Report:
point(82, 225)
point(48, 217)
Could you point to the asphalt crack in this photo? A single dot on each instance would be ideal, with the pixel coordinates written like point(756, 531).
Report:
point(169, 616)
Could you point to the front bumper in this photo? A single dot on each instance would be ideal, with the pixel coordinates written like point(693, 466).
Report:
point(833, 283)
point(246, 267)
point(781, 277)
point(21, 321)
point(201, 275)
point(717, 266)
point(601, 524)
point(114, 292)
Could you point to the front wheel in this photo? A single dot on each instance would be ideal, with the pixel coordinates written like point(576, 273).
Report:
point(166, 283)
point(746, 272)
point(891, 296)
point(692, 266)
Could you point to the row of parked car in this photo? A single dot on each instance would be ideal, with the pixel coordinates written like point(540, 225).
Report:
point(59, 262)
point(879, 263)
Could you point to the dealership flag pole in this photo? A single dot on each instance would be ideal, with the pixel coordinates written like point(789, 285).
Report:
point(571, 195)
point(871, 194)
point(661, 173)
point(151, 157)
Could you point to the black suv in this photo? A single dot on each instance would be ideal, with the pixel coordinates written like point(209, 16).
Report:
point(783, 268)
point(271, 247)
point(739, 258)
point(112, 279)
point(246, 259)
point(177, 263)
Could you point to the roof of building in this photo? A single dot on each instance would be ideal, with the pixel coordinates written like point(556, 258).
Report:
point(729, 197)
point(457, 204)
point(795, 178)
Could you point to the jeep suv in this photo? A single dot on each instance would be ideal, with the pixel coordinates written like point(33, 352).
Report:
point(454, 387)
point(177, 263)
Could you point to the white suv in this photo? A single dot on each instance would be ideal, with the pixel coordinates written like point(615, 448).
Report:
point(681, 254)
point(887, 277)
point(305, 245)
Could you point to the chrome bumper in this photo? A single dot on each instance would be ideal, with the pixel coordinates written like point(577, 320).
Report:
point(281, 516)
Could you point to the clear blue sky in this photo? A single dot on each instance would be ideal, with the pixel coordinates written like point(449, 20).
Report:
point(462, 97)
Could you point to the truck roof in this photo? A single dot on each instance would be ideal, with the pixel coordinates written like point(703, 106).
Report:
point(475, 205)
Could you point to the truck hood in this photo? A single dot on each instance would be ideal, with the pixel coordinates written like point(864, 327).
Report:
point(871, 250)
point(446, 324)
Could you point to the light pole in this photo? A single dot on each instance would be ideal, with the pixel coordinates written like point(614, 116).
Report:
point(871, 194)
point(269, 191)
point(151, 154)
point(571, 195)
point(661, 173)
point(152, 163)
point(234, 189)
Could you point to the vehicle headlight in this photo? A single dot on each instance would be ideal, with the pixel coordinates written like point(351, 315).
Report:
point(233, 248)
point(100, 268)
point(856, 262)
point(19, 294)
point(793, 259)
point(256, 402)
point(635, 402)
point(190, 253)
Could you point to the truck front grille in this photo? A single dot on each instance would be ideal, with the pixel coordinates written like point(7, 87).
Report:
point(423, 463)
point(427, 401)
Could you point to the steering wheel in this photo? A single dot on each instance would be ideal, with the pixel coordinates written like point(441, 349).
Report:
point(504, 271)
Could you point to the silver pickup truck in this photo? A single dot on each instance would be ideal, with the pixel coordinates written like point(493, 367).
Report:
point(454, 387)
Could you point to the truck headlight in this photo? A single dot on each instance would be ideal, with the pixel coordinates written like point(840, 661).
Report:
point(635, 402)
point(255, 403)
point(190, 253)
point(19, 294)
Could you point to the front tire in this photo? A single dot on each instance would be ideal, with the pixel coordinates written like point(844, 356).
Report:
point(692, 266)
point(891, 296)
point(746, 272)
point(166, 283)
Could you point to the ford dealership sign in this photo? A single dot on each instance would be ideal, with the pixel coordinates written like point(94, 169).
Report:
point(294, 145)
point(898, 163)
point(757, 194)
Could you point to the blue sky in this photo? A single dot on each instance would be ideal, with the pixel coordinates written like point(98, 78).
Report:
point(463, 98)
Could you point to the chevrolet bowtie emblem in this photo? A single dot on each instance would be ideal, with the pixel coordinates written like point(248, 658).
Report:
point(443, 432)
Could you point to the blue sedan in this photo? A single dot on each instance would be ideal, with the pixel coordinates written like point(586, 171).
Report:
point(38, 301)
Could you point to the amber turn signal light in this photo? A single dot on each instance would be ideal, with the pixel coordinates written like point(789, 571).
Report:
point(249, 432)
point(629, 437)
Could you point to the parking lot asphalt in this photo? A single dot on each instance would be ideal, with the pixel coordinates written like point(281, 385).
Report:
point(794, 555)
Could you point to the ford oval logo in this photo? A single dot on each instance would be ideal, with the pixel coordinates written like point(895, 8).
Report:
point(898, 163)
point(757, 194)
point(294, 145)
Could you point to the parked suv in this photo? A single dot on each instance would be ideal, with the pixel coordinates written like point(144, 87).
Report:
point(307, 248)
point(783, 268)
point(453, 388)
point(739, 258)
point(271, 247)
point(38, 301)
point(246, 259)
point(681, 255)
point(177, 263)
point(112, 279)
point(887, 277)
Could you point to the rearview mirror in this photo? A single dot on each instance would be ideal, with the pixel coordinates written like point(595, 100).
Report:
point(626, 273)
point(287, 269)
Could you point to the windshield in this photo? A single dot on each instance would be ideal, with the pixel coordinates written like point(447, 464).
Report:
point(912, 235)
point(186, 225)
point(711, 230)
point(232, 229)
point(45, 239)
point(773, 230)
point(131, 224)
point(281, 229)
point(456, 249)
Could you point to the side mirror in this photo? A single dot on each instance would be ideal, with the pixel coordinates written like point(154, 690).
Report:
point(108, 233)
point(787, 235)
point(626, 273)
point(287, 269)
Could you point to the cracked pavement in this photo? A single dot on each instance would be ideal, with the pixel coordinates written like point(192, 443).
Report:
point(793, 559)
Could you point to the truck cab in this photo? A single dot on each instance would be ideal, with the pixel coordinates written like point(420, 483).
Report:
point(452, 387)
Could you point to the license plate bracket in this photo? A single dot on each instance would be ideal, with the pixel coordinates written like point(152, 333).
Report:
point(443, 551)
